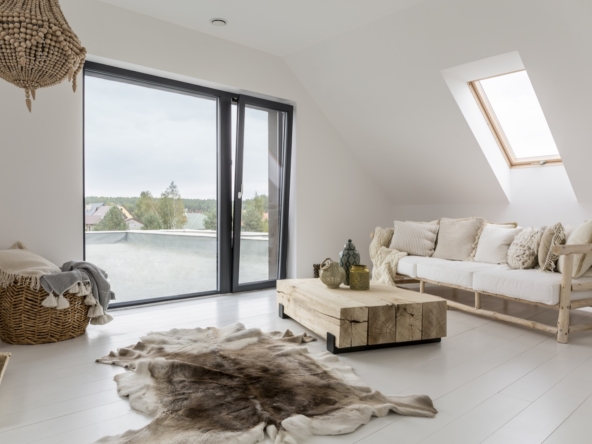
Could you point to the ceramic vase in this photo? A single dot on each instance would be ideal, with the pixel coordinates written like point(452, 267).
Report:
point(332, 274)
point(348, 257)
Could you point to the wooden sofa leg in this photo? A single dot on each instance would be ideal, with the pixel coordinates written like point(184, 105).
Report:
point(563, 325)
point(477, 301)
point(565, 301)
point(421, 286)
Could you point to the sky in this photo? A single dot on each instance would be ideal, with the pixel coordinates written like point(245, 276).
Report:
point(517, 108)
point(140, 139)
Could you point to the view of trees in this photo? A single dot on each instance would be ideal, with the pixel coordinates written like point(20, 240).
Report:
point(114, 220)
point(253, 214)
point(168, 212)
point(211, 220)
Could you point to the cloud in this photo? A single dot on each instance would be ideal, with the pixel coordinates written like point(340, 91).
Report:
point(140, 139)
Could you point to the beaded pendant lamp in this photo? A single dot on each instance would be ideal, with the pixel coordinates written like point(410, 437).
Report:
point(37, 46)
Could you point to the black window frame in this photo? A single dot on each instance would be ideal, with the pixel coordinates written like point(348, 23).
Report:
point(227, 273)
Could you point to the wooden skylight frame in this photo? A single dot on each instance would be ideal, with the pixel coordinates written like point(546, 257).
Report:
point(498, 131)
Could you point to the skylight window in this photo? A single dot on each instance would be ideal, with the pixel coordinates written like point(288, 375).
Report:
point(516, 119)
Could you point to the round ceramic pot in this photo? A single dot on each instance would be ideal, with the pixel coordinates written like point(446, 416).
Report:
point(332, 274)
point(359, 277)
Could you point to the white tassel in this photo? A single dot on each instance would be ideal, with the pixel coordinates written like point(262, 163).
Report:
point(96, 311)
point(62, 302)
point(90, 300)
point(50, 301)
point(101, 320)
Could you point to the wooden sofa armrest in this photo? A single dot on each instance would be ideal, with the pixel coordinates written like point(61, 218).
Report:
point(562, 250)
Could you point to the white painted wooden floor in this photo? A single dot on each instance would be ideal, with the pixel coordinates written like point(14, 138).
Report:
point(492, 382)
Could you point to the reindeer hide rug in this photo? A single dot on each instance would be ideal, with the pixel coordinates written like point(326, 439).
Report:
point(233, 386)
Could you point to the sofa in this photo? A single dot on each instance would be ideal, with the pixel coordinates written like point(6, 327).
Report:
point(505, 274)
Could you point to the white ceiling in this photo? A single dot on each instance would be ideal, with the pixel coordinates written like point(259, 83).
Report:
point(276, 26)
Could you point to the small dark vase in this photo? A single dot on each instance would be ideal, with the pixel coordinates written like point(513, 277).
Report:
point(348, 257)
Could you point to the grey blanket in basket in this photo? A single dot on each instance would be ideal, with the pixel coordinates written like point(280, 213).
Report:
point(82, 279)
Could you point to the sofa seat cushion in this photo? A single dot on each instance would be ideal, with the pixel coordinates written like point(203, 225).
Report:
point(408, 264)
point(530, 285)
point(454, 272)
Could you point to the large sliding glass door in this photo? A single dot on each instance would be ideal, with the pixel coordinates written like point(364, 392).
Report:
point(167, 165)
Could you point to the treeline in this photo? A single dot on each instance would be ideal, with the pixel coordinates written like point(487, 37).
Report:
point(191, 205)
point(168, 212)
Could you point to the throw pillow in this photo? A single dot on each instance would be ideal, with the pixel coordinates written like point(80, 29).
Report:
point(20, 264)
point(382, 238)
point(494, 242)
point(552, 236)
point(524, 251)
point(581, 235)
point(457, 239)
point(416, 239)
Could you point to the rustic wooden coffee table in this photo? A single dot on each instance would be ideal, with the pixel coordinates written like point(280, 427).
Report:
point(351, 320)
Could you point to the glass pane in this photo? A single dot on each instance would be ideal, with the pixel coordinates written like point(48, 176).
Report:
point(150, 189)
point(517, 109)
point(261, 203)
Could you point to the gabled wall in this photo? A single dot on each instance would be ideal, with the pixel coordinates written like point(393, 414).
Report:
point(334, 197)
point(382, 87)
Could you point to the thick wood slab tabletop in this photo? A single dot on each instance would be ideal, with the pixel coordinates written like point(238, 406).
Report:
point(380, 315)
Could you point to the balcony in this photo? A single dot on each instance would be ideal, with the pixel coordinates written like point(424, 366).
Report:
point(152, 264)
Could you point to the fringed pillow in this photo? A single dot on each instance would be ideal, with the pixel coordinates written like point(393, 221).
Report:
point(523, 253)
point(494, 242)
point(458, 238)
point(552, 236)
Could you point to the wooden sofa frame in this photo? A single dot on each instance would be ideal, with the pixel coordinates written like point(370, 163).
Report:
point(563, 328)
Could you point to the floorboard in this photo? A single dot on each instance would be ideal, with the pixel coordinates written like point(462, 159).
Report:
point(492, 382)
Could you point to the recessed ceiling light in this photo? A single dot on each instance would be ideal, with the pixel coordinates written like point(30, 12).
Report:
point(218, 22)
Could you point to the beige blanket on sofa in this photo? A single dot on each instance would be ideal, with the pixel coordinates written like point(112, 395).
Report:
point(384, 259)
point(385, 263)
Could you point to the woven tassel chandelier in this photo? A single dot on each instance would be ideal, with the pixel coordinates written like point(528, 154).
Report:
point(37, 46)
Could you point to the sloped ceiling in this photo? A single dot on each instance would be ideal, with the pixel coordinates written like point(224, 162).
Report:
point(381, 86)
point(379, 81)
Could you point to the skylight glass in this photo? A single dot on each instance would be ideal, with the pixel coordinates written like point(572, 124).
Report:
point(516, 117)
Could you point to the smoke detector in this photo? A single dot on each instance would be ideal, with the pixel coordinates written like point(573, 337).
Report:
point(218, 22)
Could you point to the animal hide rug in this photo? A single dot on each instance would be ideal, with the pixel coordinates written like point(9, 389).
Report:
point(233, 386)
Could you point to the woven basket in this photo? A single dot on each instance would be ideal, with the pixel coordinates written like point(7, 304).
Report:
point(23, 320)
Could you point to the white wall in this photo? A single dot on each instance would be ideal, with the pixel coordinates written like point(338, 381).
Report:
point(41, 154)
point(540, 196)
point(381, 86)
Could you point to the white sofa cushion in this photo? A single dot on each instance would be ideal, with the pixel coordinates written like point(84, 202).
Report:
point(531, 285)
point(414, 238)
point(494, 243)
point(453, 272)
point(408, 265)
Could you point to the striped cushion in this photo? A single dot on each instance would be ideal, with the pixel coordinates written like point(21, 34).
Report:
point(417, 239)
